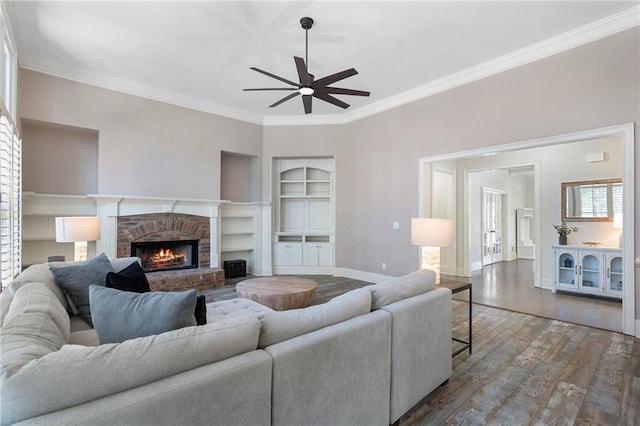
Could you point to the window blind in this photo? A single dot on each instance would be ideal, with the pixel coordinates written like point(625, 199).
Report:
point(10, 200)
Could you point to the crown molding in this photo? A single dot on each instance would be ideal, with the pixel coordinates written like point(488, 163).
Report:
point(588, 33)
point(136, 89)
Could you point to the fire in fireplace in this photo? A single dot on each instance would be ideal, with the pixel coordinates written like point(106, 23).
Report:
point(166, 255)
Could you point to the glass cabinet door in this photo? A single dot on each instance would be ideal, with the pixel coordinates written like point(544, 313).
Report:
point(566, 269)
point(614, 273)
point(590, 273)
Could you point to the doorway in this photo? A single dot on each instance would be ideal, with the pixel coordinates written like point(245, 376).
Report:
point(547, 200)
point(493, 205)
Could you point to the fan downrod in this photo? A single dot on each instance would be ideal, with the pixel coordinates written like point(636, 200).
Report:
point(306, 23)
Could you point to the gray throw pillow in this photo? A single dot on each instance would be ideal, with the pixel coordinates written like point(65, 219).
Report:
point(123, 315)
point(76, 278)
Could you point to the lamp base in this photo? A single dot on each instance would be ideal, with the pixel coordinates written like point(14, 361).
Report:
point(431, 260)
point(80, 250)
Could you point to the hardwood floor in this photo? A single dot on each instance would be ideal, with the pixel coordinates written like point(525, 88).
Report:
point(528, 370)
point(509, 285)
point(524, 370)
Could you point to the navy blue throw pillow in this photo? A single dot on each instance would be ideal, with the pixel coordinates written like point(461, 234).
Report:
point(131, 278)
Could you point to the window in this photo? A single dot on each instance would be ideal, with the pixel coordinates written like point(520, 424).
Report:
point(10, 163)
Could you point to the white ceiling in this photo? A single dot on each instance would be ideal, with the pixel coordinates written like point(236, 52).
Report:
point(198, 54)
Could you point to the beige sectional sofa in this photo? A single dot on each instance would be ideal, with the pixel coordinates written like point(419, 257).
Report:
point(364, 358)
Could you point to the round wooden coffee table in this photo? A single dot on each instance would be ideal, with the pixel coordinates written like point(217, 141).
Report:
point(278, 293)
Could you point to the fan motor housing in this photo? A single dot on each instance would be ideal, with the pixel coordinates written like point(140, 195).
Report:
point(306, 23)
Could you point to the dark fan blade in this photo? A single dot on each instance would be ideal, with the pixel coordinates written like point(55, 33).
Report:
point(285, 99)
point(284, 80)
point(325, 81)
point(328, 98)
point(341, 91)
point(306, 101)
point(305, 80)
point(270, 88)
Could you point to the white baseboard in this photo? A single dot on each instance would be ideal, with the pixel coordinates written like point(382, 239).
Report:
point(354, 274)
point(546, 283)
point(476, 266)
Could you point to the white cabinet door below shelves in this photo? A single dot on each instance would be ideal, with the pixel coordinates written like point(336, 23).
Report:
point(318, 254)
point(287, 254)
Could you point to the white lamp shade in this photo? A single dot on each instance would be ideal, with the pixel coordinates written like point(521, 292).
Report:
point(75, 229)
point(617, 221)
point(431, 232)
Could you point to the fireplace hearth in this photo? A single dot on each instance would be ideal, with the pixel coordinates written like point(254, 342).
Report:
point(166, 255)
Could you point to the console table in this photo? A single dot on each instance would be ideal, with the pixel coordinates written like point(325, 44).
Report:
point(457, 287)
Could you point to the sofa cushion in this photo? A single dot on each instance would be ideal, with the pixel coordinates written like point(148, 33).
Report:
point(77, 374)
point(223, 309)
point(132, 278)
point(122, 315)
point(84, 338)
point(38, 273)
point(390, 291)
point(283, 325)
point(76, 278)
point(35, 325)
point(120, 263)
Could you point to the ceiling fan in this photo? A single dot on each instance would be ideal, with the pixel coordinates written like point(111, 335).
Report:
point(308, 87)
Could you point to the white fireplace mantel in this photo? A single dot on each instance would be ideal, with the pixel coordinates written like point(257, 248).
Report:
point(110, 206)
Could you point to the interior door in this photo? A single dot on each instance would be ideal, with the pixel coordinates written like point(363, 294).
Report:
point(492, 204)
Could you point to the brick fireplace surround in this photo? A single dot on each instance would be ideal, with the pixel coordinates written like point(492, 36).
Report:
point(128, 219)
point(165, 227)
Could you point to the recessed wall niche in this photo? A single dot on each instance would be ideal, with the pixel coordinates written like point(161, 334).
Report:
point(239, 177)
point(59, 159)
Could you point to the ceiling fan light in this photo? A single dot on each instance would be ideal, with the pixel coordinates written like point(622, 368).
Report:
point(306, 91)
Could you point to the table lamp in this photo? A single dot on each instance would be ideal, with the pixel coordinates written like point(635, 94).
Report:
point(431, 234)
point(78, 230)
point(617, 224)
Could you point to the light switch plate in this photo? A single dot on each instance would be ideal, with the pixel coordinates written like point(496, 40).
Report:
point(396, 225)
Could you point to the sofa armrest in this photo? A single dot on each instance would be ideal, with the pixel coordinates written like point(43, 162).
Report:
point(420, 349)
point(336, 375)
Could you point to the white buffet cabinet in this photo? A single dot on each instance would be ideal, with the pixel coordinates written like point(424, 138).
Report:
point(588, 270)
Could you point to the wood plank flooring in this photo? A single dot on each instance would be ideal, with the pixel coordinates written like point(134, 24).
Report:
point(528, 370)
point(524, 370)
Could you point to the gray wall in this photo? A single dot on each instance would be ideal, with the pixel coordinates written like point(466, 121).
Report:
point(146, 147)
point(591, 86)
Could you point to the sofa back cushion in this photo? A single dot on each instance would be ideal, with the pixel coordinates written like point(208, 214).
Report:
point(394, 289)
point(36, 325)
point(38, 273)
point(41, 273)
point(282, 325)
point(77, 374)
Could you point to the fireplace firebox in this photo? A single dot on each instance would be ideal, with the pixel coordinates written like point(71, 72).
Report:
point(166, 255)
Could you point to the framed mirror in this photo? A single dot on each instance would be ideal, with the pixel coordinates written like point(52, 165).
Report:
point(591, 200)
